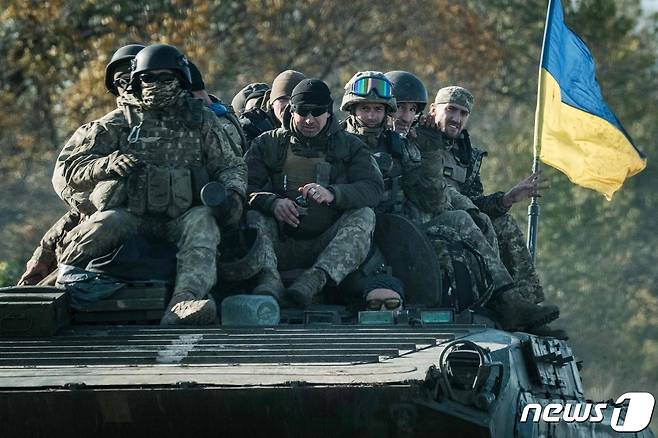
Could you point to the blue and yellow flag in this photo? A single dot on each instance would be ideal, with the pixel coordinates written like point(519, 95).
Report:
point(575, 131)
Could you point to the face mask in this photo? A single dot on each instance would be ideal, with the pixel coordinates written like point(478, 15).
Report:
point(158, 95)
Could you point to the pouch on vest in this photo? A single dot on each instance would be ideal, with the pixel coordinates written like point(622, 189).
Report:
point(199, 179)
point(181, 192)
point(109, 194)
point(157, 189)
point(137, 192)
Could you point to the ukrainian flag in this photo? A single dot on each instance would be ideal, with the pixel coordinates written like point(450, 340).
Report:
point(575, 131)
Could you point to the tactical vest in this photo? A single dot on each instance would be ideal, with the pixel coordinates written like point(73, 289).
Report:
point(299, 170)
point(404, 154)
point(173, 172)
point(462, 164)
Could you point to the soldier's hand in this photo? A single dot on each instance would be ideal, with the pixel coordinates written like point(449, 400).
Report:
point(384, 161)
point(115, 164)
point(35, 271)
point(525, 189)
point(317, 193)
point(122, 164)
point(426, 121)
point(285, 210)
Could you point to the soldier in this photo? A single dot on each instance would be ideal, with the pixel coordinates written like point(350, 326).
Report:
point(413, 187)
point(149, 158)
point(369, 99)
point(44, 260)
point(384, 292)
point(312, 187)
point(411, 97)
point(251, 96)
point(270, 115)
point(460, 165)
point(227, 117)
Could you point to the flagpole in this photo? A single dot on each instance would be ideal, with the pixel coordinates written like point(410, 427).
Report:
point(533, 208)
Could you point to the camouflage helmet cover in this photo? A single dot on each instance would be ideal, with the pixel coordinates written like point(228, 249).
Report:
point(123, 54)
point(407, 87)
point(349, 98)
point(161, 57)
point(454, 94)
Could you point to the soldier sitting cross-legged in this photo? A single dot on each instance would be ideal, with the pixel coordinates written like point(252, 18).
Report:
point(311, 189)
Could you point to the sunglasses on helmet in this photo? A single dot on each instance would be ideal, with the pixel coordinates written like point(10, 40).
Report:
point(389, 304)
point(305, 110)
point(149, 78)
point(364, 86)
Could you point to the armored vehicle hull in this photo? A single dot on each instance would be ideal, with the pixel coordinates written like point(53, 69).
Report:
point(288, 380)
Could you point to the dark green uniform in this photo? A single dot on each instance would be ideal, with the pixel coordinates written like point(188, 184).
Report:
point(338, 238)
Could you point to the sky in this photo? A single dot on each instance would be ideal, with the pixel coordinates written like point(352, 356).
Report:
point(650, 5)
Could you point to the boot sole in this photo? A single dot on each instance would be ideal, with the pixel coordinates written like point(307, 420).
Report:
point(197, 312)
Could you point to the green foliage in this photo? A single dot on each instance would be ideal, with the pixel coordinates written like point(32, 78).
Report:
point(10, 271)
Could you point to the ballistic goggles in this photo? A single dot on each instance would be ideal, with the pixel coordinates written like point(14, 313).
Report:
point(364, 86)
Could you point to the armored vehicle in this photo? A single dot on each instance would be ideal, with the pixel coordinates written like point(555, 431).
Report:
point(320, 372)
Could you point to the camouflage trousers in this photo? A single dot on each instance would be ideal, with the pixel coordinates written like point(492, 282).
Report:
point(195, 234)
point(514, 254)
point(461, 223)
point(338, 251)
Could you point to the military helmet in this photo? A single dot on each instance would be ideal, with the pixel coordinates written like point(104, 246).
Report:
point(158, 57)
point(255, 90)
point(123, 54)
point(369, 86)
point(242, 255)
point(408, 88)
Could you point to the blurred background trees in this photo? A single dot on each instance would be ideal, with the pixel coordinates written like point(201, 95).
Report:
point(597, 258)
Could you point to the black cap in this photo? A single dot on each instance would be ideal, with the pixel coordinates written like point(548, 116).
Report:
point(384, 281)
point(197, 79)
point(311, 92)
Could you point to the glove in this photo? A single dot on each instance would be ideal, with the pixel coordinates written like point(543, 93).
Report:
point(385, 162)
point(115, 164)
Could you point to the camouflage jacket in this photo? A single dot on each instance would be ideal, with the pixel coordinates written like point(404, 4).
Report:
point(464, 175)
point(419, 184)
point(73, 178)
point(46, 251)
point(355, 178)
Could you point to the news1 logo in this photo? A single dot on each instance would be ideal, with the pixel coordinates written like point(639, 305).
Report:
point(638, 412)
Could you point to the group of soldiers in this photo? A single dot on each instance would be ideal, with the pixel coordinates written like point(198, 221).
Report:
point(310, 186)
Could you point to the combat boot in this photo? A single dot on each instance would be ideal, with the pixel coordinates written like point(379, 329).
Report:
point(269, 283)
point(306, 289)
point(515, 312)
point(186, 308)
